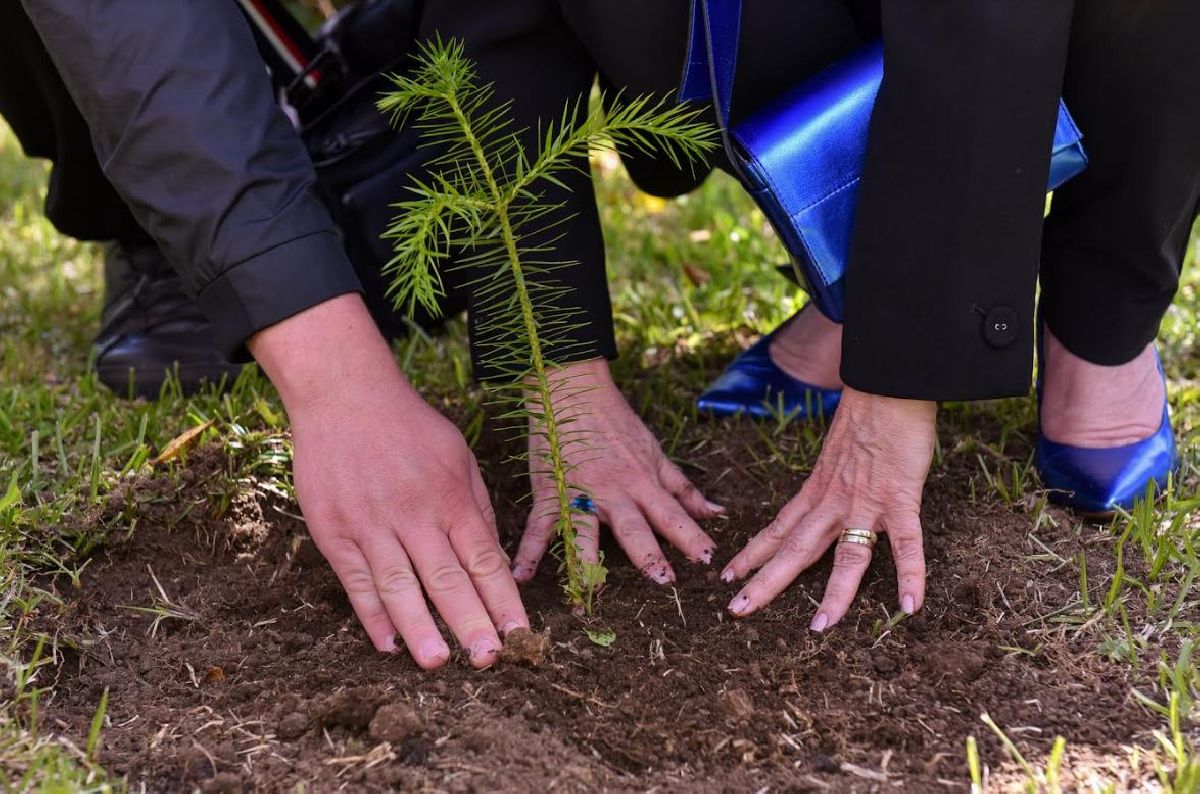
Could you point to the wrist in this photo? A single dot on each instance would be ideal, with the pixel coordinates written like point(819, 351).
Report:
point(328, 354)
point(593, 370)
point(571, 384)
point(917, 409)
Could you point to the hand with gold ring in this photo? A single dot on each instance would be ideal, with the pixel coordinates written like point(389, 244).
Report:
point(868, 478)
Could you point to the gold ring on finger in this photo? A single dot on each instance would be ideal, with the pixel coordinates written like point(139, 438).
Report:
point(863, 537)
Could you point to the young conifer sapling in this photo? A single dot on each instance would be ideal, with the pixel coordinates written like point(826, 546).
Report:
point(483, 203)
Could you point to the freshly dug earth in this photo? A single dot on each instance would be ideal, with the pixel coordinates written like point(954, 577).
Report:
point(266, 681)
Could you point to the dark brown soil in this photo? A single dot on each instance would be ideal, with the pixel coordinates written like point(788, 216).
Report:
point(269, 682)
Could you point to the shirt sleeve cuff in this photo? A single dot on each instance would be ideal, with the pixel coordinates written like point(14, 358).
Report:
point(273, 286)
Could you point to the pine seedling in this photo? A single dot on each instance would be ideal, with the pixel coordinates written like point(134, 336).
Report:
point(484, 203)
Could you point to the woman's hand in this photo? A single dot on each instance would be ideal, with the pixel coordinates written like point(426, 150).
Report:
point(617, 462)
point(869, 475)
point(389, 488)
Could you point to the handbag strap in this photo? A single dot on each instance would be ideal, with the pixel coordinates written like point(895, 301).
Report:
point(711, 63)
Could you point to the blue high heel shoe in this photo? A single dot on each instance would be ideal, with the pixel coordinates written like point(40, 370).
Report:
point(1096, 482)
point(753, 385)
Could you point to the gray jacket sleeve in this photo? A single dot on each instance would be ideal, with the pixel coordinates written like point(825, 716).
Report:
point(186, 128)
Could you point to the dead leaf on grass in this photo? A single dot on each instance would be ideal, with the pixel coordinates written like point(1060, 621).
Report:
point(181, 443)
point(698, 276)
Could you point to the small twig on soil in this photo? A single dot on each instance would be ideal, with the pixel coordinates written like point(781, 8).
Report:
point(378, 755)
point(580, 696)
point(679, 606)
point(212, 761)
point(859, 771)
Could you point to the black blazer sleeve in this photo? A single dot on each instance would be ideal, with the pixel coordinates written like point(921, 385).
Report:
point(187, 130)
point(944, 260)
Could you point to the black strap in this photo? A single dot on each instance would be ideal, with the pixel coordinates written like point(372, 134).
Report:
point(711, 63)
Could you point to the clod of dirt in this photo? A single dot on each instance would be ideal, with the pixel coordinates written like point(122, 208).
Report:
point(523, 646)
point(395, 722)
point(479, 742)
point(884, 665)
point(294, 642)
point(223, 783)
point(415, 752)
point(738, 704)
point(970, 593)
point(351, 709)
point(292, 726)
point(957, 663)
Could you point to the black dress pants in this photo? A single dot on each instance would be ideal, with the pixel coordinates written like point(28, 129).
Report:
point(1115, 240)
point(1117, 234)
point(80, 201)
point(1113, 245)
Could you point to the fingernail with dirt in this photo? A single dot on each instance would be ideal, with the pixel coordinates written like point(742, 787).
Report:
point(434, 650)
point(727, 575)
point(908, 604)
point(660, 574)
point(713, 507)
point(485, 649)
point(509, 626)
point(706, 556)
point(819, 622)
point(739, 604)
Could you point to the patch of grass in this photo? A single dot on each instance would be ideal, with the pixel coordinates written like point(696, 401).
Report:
point(34, 759)
point(693, 281)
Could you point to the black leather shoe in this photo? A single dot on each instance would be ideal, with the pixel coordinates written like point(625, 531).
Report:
point(150, 327)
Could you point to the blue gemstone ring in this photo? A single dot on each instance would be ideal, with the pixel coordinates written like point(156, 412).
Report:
point(584, 504)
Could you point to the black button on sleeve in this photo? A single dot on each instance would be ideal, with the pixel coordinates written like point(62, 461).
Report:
point(1000, 327)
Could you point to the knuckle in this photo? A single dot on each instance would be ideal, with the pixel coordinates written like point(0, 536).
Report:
point(396, 580)
point(628, 527)
point(539, 526)
point(850, 556)
point(357, 580)
point(486, 564)
point(777, 531)
point(447, 578)
point(794, 545)
point(907, 550)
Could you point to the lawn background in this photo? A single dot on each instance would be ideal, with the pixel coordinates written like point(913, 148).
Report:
point(693, 280)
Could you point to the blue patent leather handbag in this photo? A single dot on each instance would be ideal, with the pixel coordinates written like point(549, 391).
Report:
point(801, 157)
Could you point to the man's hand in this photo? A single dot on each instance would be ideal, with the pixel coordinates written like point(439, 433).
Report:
point(618, 462)
point(390, 491)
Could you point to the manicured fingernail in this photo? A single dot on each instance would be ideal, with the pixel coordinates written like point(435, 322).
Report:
point(908, 604)
point(819, 622)
point(432, 650)
point(739, 605)
point(484, 648)
point(727, 575)
point(509, 626)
